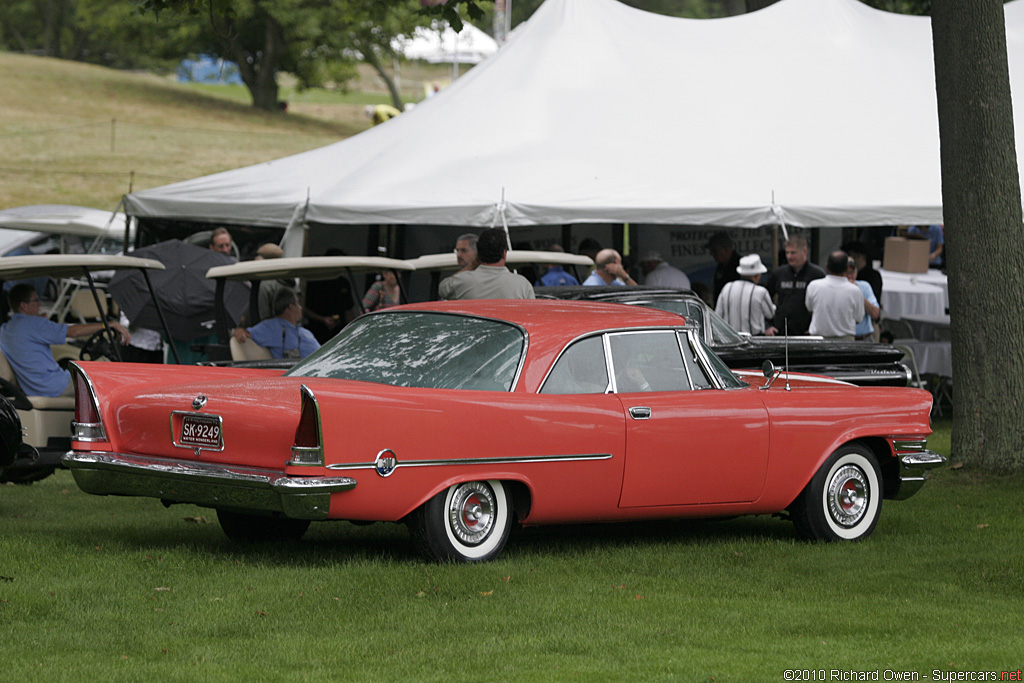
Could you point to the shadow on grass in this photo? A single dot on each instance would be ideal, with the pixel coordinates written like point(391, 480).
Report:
point(649, 534)
point(328, 543)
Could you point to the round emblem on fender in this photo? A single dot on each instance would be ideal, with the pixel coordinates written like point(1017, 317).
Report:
point(386, 462)
point(198, 402)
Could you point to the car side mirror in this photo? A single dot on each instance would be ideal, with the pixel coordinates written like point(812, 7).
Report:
point(768, 369)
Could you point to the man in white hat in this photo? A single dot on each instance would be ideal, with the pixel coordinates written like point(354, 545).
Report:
point(658, 273)
point(743, 303)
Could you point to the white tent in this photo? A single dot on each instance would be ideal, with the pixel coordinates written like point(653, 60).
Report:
point(808, 112)
point(441, 44)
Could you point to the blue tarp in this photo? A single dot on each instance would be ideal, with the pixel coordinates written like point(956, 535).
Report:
point(208, 69)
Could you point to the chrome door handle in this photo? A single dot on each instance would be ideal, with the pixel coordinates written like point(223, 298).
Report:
point(640, 413)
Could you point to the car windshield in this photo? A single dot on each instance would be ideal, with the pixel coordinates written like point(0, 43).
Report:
point(421, 349)
point(722, 333)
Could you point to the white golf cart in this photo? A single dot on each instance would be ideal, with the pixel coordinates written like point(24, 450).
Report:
point(305, 268)
point(46, 420)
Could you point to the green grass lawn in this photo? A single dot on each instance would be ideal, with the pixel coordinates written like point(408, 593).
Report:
point(78, 134)
point(123, 589)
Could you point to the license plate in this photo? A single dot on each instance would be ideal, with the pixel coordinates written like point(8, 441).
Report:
point(201, 430)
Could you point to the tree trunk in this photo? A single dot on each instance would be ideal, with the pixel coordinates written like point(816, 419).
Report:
point(259, 72)
point(371, 58)
point(983, 229)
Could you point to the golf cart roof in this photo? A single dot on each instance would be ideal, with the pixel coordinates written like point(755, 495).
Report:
point(308, 267)
point(448, 261)
point(65, 219)
point(69, 265)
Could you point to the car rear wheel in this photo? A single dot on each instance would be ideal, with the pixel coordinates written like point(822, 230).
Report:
point(468, 522)
point(844, 499)
point(239, 526)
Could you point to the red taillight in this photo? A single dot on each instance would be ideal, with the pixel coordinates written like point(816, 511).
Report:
point(88, 424)
point(308, 446)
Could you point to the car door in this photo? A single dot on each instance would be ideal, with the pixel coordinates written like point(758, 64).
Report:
point(688, 441)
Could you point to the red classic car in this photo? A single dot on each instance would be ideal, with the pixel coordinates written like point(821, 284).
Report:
point(459, 418)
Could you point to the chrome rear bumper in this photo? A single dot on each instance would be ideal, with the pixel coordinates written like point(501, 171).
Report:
point(209, 485)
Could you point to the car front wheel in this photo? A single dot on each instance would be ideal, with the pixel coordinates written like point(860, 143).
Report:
point(844, 499)
point(468, 522)
point(239, 526)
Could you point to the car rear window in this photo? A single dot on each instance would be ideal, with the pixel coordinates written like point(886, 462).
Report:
point(421, 349)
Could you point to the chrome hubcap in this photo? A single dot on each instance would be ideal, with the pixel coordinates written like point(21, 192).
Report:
point(848, 495)
point(471, 512)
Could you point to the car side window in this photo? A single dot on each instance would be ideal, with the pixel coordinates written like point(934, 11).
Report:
point(648, 361)
point(581, 369)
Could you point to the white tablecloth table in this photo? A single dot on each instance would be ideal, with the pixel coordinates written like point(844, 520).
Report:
point(913, 294)
point(903, 296)
point(932, 357)
point(929, 327)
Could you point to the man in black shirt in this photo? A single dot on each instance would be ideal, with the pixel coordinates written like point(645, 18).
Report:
point(859, 253)
point(788, 284)
point(721, 248)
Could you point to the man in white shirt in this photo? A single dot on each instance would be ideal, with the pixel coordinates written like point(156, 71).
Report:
point(743, 303)
point(835, 303)
point(491, 279)
point(658, 273)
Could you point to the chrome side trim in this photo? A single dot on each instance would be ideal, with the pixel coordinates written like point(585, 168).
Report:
point(206, 484)
point(475, 461)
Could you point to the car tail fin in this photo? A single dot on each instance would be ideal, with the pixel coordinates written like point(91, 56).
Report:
point(308, 448)
point(88, 422)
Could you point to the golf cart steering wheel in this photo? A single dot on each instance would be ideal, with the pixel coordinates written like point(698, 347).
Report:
point(101, 344)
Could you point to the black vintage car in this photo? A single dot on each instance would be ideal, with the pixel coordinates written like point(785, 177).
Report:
point(863, 363)
point(19, 462)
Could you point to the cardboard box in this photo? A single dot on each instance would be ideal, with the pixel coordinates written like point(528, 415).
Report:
point(906, 255)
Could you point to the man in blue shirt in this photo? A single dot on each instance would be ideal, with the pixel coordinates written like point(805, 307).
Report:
point(282, 335)
point(556, 275)
point(608, 270)
point(26, 339)
point(936, 242)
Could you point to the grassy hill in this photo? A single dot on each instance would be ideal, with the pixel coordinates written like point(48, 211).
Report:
point(72, 133)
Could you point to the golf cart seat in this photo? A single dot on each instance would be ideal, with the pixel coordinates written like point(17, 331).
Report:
point(247, 350)
point(41, 416)
point(83, 306)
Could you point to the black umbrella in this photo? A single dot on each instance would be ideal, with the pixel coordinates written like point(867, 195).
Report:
point(186, 295)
